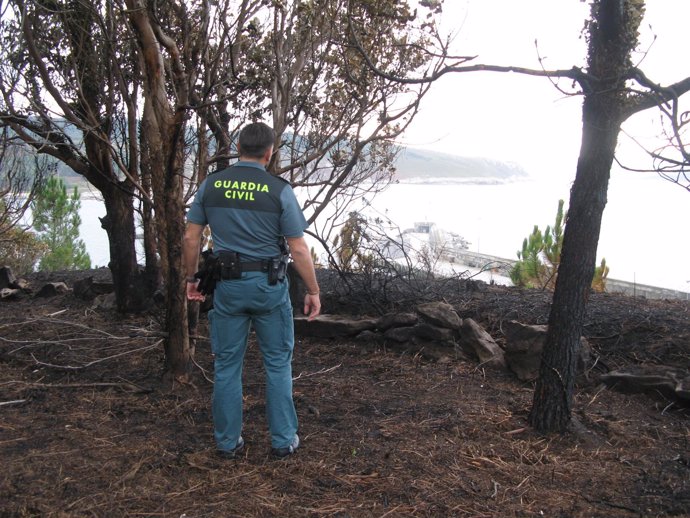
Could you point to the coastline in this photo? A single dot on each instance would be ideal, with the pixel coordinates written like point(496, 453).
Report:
point(496, 217)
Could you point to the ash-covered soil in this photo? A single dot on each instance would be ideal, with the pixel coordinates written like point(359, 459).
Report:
point(87, 427)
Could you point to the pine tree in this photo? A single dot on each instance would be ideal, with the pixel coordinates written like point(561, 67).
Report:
point(541, 254)
point(56, 219)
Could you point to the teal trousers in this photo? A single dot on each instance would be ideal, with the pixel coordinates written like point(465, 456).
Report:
point(239, 304)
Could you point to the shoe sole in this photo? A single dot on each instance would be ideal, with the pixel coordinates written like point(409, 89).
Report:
point(232, 454)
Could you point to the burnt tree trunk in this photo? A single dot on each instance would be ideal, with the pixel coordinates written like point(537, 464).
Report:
point(148, 222)
point(130, 294)
point(164, 122)
point(171, 226)
point(612, 37)
point(554, 390)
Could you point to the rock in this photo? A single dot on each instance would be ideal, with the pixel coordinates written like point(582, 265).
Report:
point(669, 381)
point(369, 337)
point(106, 302)
point(524, 345)
point(396, 320)
point(475, 341)
point(475, 285)
point(332, 326)
point(440, 314)
point(87, 289)
point(52, 289)
point(10, 294)
point(523, 348)
point(22, 284)
point(7, 278)
point(399, 334)
point(429, 332)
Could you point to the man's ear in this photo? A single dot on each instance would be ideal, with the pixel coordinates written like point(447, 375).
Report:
point(268, 154)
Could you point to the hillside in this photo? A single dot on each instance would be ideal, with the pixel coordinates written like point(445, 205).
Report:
point(418, 165)
point(425, 165)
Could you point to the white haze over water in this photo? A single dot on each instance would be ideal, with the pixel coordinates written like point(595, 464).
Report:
point(643, 236)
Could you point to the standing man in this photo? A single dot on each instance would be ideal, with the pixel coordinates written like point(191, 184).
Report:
point(249, 212)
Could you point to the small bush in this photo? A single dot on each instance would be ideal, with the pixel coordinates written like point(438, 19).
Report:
point(20, 250)
point(541, 255)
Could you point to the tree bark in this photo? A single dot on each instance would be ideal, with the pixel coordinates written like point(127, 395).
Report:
point(130, 294)
point(553, 394)
point(163, 123)
point(148, 222)
point(612, 37)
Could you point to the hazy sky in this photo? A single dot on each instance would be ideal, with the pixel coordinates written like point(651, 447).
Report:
point(528, 121)
point(525, 119)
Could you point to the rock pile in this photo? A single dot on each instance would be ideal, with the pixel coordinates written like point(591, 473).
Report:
point(436, 331)
point(12, 288)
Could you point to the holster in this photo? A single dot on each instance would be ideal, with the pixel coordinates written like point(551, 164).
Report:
point(278, 267)
point(230, 266)
point(209, 274)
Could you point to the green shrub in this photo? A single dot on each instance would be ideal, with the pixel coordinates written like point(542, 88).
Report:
point(540, 256)
point(56, 219)
point(20, 250)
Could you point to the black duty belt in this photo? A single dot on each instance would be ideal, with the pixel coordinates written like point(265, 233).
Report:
point(248, 266)
point(231, 266)
point(256, 266)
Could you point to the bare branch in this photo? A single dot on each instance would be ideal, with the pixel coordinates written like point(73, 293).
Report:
point(656, 95)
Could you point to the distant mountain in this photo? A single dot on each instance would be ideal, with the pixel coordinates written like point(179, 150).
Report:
point(422, 165)
point(412, 165)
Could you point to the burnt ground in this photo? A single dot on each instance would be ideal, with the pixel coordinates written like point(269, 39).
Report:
point(88, 428)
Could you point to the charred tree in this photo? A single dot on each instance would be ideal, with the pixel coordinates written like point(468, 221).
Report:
point(612, 33)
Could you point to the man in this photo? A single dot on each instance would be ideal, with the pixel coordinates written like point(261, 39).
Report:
point(249, 211)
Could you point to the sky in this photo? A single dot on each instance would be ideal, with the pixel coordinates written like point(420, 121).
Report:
point(526, 119)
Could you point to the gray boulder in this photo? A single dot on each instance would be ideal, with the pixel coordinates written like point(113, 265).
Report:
point(476, 342)
point(669, 381)
point(396, 320)
point(524, 345)
point(440, 314)
point(332, 326)
point(399, 334)
point(87, 289)
point(52, 289)
point(429, 332)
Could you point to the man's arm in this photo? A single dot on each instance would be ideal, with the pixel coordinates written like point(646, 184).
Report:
point(190, 256)
point(305, 268)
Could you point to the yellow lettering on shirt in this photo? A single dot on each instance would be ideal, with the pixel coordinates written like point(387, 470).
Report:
point(235, 190)
point(239, 195)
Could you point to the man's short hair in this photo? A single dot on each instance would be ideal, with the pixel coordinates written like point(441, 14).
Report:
point(255, 139)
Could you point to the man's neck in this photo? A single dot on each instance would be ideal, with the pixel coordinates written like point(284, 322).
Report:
point(259, 161)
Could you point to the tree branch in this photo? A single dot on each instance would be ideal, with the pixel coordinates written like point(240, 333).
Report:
point(657, 94)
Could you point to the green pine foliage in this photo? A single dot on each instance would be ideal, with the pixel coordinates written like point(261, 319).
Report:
point(56, 219)
point(540, 256)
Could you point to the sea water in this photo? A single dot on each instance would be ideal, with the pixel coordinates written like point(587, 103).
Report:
point(644, 235)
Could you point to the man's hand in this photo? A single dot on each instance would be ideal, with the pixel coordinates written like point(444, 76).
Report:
point(190, 258)
point(312, 306)
point(301, 255)
point(193, 292)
